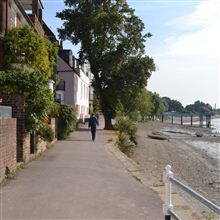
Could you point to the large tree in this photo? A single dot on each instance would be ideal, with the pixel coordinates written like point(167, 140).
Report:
point(111, 37)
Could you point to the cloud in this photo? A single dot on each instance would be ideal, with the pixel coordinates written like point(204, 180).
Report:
point(199, 32)
point(205, 14)
point(188, 61)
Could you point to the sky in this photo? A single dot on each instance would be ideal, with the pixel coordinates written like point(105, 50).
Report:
point(185, 46)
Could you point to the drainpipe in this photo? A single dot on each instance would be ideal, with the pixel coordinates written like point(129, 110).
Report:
point(6, 15)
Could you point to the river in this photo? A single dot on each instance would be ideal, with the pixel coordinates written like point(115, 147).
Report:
point(215, 123)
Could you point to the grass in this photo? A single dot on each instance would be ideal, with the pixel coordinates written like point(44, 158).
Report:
point(11, 174)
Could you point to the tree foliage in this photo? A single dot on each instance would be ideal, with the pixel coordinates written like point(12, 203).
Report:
point(172, 105)
point(199, 107)
point(111, 39)
point(157, 105)
point(138, 107)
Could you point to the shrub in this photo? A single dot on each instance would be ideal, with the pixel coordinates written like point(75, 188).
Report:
point(124, 144)
point(39, 101)
point(127, 134)
point(66, 121)
point(125, 125)
point(46, 133)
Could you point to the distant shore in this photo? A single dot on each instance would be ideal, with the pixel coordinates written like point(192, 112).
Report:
point(194, 160)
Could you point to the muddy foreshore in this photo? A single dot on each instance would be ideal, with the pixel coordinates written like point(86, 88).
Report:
point(194, 160)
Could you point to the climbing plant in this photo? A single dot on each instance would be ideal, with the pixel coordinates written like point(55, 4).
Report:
point(24, 46)
point(29, 63)
point(39, 102)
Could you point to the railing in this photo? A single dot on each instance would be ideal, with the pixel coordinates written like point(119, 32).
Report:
point(168, 206)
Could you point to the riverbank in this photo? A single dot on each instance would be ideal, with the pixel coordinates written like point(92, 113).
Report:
point(194, 160)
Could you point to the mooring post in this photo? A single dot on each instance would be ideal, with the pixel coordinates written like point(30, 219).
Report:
point(168, 206)
point(191, 120)
point(181, 120)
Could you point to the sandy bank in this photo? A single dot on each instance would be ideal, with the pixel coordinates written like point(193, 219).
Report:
point(194, 160)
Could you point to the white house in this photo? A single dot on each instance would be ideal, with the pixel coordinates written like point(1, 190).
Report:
point(73, 88)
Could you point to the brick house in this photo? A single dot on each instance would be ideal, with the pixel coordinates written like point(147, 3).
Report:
point(14, 13)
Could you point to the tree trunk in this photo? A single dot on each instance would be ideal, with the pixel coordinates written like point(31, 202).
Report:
point(108, 123)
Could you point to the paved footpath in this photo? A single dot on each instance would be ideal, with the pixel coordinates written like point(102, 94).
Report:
point(78, 179)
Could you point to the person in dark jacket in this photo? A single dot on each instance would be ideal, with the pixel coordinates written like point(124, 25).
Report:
point(92, 124)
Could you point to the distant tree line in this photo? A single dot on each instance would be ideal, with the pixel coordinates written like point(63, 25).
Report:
point(171, 105)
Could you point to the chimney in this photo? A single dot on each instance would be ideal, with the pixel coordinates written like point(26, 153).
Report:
point(67, 56)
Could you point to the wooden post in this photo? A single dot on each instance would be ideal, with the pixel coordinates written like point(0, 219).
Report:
point(191, 120)
point(181, 120)
point(201, 120)
point(172, 119)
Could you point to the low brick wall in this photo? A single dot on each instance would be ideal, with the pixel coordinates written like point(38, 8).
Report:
point(42, 145)
point(17, 103)
point(7, 145)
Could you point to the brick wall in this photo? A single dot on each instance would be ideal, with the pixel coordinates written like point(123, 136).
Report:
point(42, 145)
point(7, 145)
point(17, 103)
point(23, 138)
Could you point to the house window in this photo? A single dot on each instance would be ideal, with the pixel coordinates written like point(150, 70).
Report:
point(60, 98)
point(12, 19)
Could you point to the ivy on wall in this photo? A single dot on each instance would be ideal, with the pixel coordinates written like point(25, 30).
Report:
point(24, 46)
point(30, 60)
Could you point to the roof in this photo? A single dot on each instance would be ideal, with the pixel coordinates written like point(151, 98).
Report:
point(49, 33)
point(27, 4)
point(62, 66)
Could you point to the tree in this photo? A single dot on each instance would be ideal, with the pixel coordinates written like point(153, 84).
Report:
point(157, 103)
point(199, 107)
point(167, 104)
point(176, 106)
point(111, 38)
point(139, 106)
point(172, 105)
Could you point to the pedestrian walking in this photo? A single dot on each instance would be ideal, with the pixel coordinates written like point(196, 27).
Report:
point(92, 124)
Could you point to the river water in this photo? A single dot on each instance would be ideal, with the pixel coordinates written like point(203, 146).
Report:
point(216, 124)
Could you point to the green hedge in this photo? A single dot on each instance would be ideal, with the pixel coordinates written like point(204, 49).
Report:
point(46, 132)
point(66, 121)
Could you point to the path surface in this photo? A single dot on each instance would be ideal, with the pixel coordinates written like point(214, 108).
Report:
point(78, 179)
